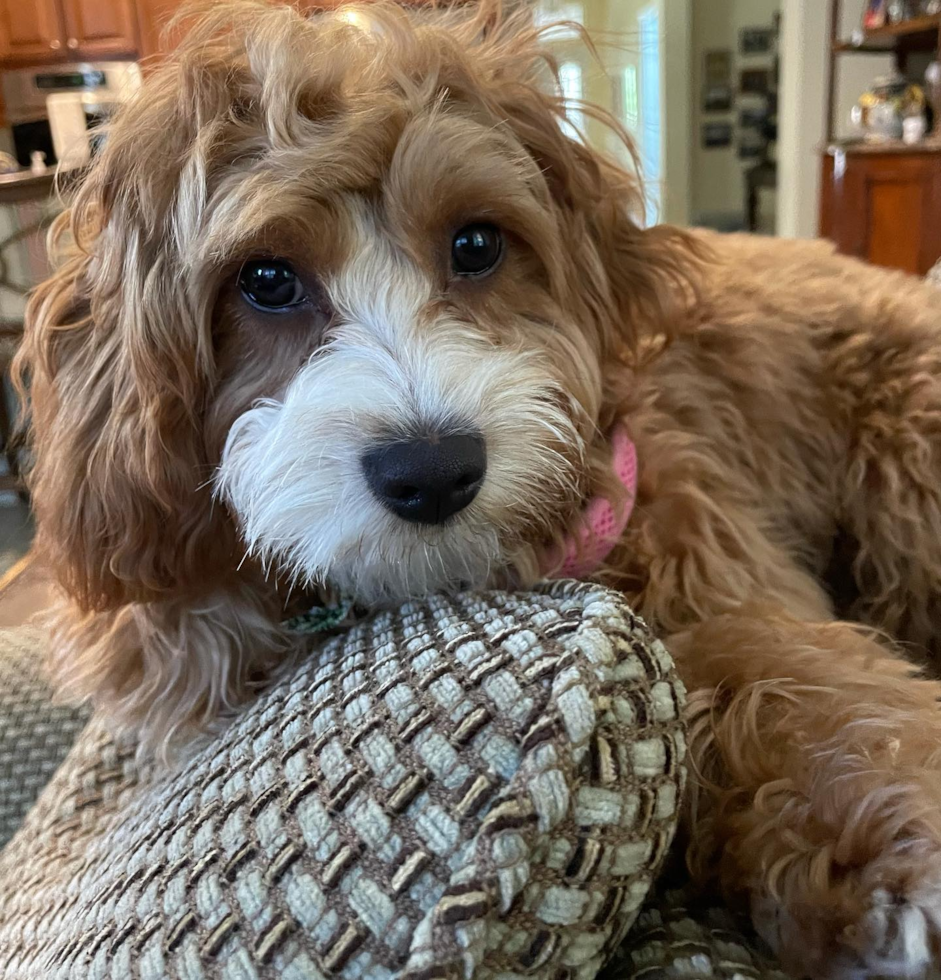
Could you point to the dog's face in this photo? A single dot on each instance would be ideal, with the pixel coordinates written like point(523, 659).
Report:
point(402, 399)
point(349, 304)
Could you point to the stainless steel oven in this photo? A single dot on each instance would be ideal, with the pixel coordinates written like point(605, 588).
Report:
point(56, 107)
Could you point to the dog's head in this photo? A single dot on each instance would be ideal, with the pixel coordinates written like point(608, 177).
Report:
point(344, 299)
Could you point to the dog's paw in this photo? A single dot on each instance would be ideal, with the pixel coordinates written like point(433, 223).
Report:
point(883, 921)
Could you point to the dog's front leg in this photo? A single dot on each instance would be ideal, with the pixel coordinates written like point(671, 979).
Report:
point(819, 790)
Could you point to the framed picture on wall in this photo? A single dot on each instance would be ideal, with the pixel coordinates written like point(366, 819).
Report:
point(716, 135)
point(754, 81)
point(717, 67)
point(756, 40)
point(753, 117)
point(717, 98)
point(717, 81)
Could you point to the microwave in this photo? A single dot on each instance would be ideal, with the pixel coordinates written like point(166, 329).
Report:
point(54, 110)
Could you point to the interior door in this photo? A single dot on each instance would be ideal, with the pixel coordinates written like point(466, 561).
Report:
point(100, 28)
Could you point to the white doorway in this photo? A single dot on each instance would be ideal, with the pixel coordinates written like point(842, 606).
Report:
point(642, 78)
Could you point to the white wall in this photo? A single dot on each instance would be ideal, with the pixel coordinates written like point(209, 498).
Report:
point(801, 115)
point(802, 112)
point(718, 185)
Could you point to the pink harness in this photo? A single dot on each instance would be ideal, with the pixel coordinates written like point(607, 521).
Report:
point(601, 524)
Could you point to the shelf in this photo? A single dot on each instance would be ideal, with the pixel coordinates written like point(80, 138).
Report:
point(919, 32)
point(859, 147)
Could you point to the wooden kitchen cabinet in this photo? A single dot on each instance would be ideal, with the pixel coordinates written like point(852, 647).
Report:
point(31, 32)
point(100, 28)
point(154, 15)
point(884, 206)
point(47, 31)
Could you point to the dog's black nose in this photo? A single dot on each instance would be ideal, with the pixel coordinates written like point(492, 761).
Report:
point(427, 480)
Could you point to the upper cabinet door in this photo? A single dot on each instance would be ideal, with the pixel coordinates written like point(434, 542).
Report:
point(100, 27)
point(31, 31)
point(154, 15)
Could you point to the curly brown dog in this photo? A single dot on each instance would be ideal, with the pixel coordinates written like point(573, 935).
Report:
point(345, 308)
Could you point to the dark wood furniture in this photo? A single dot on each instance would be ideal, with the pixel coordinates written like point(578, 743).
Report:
point(884, 205)
point(882, 202)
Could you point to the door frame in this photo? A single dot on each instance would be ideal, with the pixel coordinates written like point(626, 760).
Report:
point(676, 72)
point(801, 115)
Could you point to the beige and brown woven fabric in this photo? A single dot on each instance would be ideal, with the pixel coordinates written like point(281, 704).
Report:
point(685, 935)
point(35, 734)
point(476, 787)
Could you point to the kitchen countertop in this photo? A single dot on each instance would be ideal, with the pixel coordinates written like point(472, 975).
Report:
point(24, 185)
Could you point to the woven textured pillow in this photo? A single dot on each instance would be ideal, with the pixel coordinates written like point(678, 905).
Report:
point(35, 734)
point(476, 787)
point(685, 934)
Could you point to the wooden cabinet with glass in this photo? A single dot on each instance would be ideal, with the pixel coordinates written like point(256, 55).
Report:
point(882, 202)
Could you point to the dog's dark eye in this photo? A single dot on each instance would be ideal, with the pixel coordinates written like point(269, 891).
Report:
point(476, 250)
point(270, 284)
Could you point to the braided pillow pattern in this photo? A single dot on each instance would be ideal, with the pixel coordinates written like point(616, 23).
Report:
point(477, 786)
point(35, 733)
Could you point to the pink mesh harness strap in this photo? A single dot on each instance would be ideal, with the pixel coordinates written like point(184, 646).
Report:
point(602, 524)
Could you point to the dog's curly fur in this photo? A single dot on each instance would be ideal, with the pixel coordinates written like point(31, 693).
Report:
point(197, 462)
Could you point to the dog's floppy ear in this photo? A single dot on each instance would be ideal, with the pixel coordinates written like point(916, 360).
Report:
point(119, 346)
point(159, 626)
point(118, 358)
